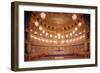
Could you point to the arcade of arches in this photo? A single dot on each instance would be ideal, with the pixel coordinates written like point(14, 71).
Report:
point(56, 36)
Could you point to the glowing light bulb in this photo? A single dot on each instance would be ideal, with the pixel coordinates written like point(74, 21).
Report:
point(70, 34)
point(59, 35)
point(62, 36)
point(62, 41)
point(77, 38)
point(70, 40)
point(35, 32)
point(74, 17)
point(73, 32)
point(55, 41)
point(55, 36)
point(40, 34)
point(83, 36)
point(76, 28)
point(66, 36)
point(34, 37)
point(36, 23)
point(83, 30)
point(79, 24)
point(50, 35)
point(43, 15)
point(43, 31)
point(80, 32)
point(40, 28)
point(31, 30)
point(46, 34)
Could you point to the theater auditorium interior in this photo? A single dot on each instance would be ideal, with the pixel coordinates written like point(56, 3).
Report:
point(56, 36)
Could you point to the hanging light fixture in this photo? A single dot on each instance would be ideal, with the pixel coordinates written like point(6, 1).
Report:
point(42, 15)
point(74, 17)
point(36, 23)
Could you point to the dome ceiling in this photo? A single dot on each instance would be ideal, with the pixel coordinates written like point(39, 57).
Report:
point(61, 21)
point(55, 27)
point(58, 22)
point(50, 35)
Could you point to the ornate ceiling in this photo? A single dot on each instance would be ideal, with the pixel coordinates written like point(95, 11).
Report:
point(56, 28)
point(56, 36)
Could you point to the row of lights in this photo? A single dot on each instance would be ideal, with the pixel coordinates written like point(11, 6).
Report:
point(56, 41)
point(59, 36)
point(43, 16)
